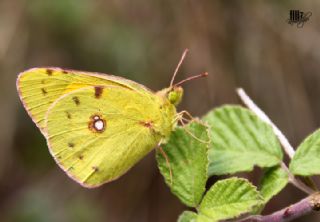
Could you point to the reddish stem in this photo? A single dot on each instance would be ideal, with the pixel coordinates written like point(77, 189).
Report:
point(305, 206)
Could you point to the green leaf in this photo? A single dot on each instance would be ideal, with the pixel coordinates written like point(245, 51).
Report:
point(273, 181)
point(229, 199)
point(240, 140)
point(306, 161)
point(188, 216)
point(188, 160)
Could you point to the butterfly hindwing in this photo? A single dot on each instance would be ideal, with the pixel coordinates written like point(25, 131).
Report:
point(97, 133)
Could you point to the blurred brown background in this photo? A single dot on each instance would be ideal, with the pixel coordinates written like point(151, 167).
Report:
point(240, 43)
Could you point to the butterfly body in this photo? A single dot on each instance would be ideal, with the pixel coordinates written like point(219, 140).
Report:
point(97, 126)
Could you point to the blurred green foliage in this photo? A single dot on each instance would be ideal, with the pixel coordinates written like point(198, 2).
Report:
point(246, 44)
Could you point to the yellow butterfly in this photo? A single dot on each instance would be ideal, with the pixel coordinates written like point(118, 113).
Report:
point(98, 126)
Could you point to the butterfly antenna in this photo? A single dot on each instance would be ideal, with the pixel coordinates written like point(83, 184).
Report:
point(178, 66)
point(191, 78)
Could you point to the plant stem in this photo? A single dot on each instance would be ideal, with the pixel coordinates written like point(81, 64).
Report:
point(254, 108)
point(305, 206)
point(283, 140)
point(297, 183)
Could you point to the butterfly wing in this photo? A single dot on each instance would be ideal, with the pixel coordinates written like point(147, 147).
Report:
point(97, 137)
point(39, 87)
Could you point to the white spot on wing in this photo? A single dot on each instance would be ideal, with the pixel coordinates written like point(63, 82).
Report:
point(99, 125)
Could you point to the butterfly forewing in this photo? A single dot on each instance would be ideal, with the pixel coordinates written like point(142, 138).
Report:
point(40, 87)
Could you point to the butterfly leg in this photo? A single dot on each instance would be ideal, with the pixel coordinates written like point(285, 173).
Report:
point(167, 162)
point(190, 133)
point(191, 118)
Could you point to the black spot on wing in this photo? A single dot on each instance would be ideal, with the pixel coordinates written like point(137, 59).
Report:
point(98, 91)
point(49, 72)
point(76, 100)
point(95, 168)
point(68, 115)
point(44, 92)
point(71, 145)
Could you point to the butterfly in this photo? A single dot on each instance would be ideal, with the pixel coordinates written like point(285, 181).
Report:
point(98, 126)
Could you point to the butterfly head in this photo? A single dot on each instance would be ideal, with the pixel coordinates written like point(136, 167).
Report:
point(172, 94)
point(175, 94)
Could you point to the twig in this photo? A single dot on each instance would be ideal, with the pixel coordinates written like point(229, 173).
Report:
point(305, 206)
point(283, 140)
point(297, 183)
point(254, 108)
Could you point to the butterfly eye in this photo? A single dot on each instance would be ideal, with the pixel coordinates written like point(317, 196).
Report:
point(97, 124)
